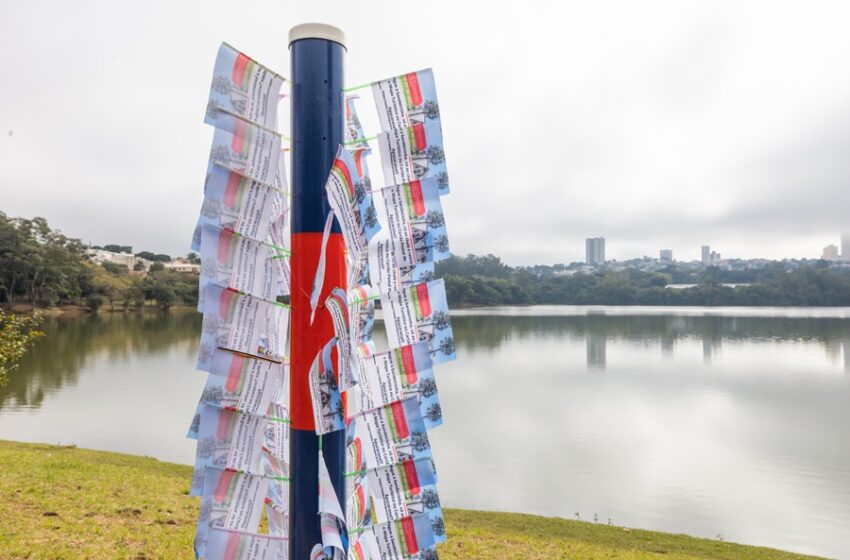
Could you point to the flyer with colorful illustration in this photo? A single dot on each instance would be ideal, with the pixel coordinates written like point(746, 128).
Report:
point(226, 544)
point(361, 311)
point(406, 489)
point(403, 539)
point(419, 313)
point(392, 376)
point(328, 408)
point(249, 385)
point(232, 261)
point(386, 274)
point(349, 192)
point(229, 440)
point(415, 222)
point(412, 153)
point(242, 323)
point(231, 500)
point(337, 306)
point(241, 204)
point(407, 99)
point(391, 434)
point(246, 149)
point(354, 135)
point(243, 87)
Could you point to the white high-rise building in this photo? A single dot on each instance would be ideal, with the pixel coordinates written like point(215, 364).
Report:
point(594, 251)
point(706, 255)
point(830, 253)
point(666, 255)
point(845, 246)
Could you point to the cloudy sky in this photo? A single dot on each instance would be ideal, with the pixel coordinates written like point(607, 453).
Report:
point(657, 124)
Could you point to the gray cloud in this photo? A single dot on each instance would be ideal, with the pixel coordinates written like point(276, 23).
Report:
point(668, 125)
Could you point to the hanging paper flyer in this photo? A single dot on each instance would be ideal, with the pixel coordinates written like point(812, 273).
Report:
point(248, 386)
point(358, 506)
point(332, 518)
point(392, 434)
point(387, 275)
point(337, 306)
point(277, 515)
point(328, 408)
point(225, 544)
point(242, 86)
point(354, 135)
point(358, 270)
point(361, 311)
point(238, 203)
point(359, 549)
point(232, 261)
point(403, 490)
point(413, 153)
point(242, 323)
point(403, 539)
point(404, 100)
point(246, 149)
point(230, 440)
point(276, 443)
point(415, 222)
point(420, 313)
point(395, 375)
point(231, 500)
point(349, 194)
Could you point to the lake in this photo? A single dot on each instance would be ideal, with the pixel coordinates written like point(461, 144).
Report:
point(729, 423)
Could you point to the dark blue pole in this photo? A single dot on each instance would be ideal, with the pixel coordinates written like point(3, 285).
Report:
point(317, 52)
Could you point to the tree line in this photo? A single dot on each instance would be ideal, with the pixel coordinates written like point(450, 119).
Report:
point(43, 267)
point(484, 280)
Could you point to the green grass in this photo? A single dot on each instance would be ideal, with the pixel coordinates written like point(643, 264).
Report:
point(63, 502)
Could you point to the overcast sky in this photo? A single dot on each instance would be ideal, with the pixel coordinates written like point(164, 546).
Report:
point(655, 124)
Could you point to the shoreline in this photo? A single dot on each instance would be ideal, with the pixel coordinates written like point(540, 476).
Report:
point(65, 502)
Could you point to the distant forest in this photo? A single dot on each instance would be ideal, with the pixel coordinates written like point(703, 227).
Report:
point(43, 267)
point(485, 280)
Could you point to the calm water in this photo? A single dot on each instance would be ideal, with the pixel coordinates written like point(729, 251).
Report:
point(709, 422)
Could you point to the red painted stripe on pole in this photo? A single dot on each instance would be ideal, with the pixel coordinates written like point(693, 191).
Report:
point(307, 340)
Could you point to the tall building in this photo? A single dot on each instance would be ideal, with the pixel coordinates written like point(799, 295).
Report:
point(706, 255)
point(666, 255)
point(594, 248)
point(845, 246)
point(830, 253)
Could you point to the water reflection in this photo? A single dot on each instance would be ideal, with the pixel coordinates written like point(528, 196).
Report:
point(702, 423)
point(71, 342)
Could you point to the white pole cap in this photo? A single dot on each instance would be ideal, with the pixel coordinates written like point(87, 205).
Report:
point(317, 31)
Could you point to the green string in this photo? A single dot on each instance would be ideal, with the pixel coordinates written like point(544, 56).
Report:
point(359, 140)
point(355, 88)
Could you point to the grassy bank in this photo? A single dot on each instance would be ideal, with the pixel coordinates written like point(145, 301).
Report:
point(61, 502)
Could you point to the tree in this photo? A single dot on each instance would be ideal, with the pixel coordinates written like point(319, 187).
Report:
point(17, 335)
point(447, 346)
point(435, 154)
point(438, 526)
point(370, 216)
point(212, 395)
point(434, 412)
point(428, 554)
point(441, 243)
point(440, 319)
point(427, 386)
point(156, 267)
point(193, 258)
point(442, 179)
point(435, 219)
point(431, 109)
point(430, 498)
point(419, 440)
